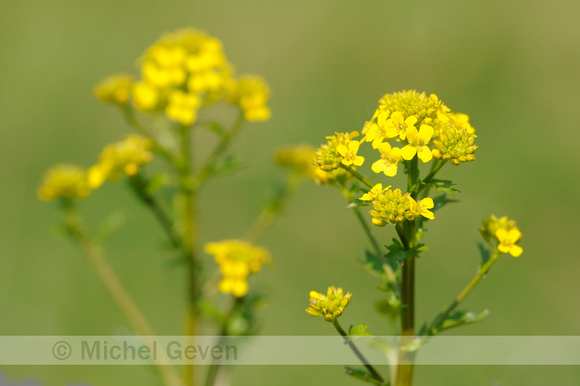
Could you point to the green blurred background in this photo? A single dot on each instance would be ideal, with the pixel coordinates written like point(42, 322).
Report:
point(513, 66)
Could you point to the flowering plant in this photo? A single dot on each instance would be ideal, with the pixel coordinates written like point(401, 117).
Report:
point(406, 128)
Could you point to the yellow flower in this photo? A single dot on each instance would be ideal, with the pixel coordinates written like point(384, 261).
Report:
point(418, 143)
point(182, 107)
point(508, 240)
point(237, 260)
point(411, 103)
point(115, 89)
point(121, 157)
point(145, 96)
point(330, 306)
point(397, 127)
point(252, 94)
point(421, 208)
point(63, 181)
point(390, 157)
point(327, 156)
point(348, 153)
point(455, 139)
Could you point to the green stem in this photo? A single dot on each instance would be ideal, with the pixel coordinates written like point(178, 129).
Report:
point(434, 170)
point(213, 371)
point(482, 271)
point(357, 175)
point(106, 274)
point(189, 240)
point(356, 352)
point(221, 147)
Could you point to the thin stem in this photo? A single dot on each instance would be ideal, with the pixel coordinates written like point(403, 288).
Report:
point(221, 147)
point(482, 271)
point(378, 250)
point(434, 170)
point(357, 175)
point(269, 213)
point(138, 186)
point(213, 371)
point(356, 352)
point(106, 274)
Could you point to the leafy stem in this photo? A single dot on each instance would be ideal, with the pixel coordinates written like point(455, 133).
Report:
point(357, 352)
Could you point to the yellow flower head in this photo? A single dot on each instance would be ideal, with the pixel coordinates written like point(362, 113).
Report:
point(64, 181)
point(455, 139)
point(418, 141)
point(410, 103)
point(327, 156)
point(348, 154)
point(503, 234)
point(237, 260)
point(330, 306)
point(393, 207)
point(252, 94)
point(390, 157)
point(145, 96)
point(123, 157)
point(115, 89)
point(299, 158)
point(182, 107)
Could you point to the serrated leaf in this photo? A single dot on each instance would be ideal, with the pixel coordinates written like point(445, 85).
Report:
point(484, 252)
point(373, 265)
point(359, 330)
point(399, 253)
point(443, 185)
point(363, 375)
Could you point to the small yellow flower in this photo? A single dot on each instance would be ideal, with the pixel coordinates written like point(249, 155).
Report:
point(64, 181)
point(455, 138)
point(252, 94)
point(327, 156)
point(421, 208)
point(237, 260)
point(508, 240)
point(182, 107)
point(330, 306)
point(397, 127)
point(121, 157)
point(348, 153)
point(390, 157)
point(115, 89)
point(145, 96)
point(418, 143)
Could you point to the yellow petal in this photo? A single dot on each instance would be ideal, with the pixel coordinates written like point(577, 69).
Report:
point(426, 132)
point(425, 154)
point(408, 152)
point(516, 250)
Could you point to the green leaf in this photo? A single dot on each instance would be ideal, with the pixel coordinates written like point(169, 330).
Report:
point(443, 185)
point(228, 166)
point(484, 252)
point(157, 182)
point(398, 253)
point(363, 375)
point(460, 318)
point(442, 200)
point(392, 298)
point(373, 265)
point(211, 311)
point(360, 330)
point(216, 127)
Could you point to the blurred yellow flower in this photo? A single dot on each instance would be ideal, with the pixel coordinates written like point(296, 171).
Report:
point(64, 181)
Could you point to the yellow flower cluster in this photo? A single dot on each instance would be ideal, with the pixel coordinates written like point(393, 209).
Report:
point(237, 260)
point(64, 181)
point(182, 71)
point(394, 207)
point(330, 306)
point(251, 93)
point(123, 157)
point(502, 233)
point(340, 149)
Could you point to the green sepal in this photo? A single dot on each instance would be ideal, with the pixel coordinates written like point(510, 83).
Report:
point(359, 330)
point(363, 375)
point(398, 253)
point(443, 185)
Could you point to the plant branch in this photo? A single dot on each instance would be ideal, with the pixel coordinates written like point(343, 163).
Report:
point(357, 352)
